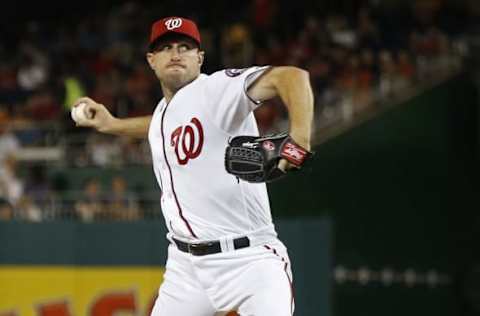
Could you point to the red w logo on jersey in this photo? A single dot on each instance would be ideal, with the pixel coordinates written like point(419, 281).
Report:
point(188, 141)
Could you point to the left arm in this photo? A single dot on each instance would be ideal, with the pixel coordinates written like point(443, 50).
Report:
point(292, 85)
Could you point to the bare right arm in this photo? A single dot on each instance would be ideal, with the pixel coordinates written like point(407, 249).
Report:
point(103, 121)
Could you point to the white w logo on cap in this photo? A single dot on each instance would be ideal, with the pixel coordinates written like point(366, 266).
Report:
point(174, 23)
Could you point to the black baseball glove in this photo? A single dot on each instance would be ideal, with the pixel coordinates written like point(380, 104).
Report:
point(255, 158)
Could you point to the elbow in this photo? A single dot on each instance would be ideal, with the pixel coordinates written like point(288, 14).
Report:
point(290, 73)
point(297, 73)
point(301, 71)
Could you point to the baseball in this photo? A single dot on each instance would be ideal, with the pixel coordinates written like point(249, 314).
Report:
point(78, 113)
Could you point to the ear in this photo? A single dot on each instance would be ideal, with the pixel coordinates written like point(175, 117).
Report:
point(201, 57)
point(149, 57)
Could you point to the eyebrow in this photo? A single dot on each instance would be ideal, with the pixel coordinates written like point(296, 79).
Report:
point(188, 46)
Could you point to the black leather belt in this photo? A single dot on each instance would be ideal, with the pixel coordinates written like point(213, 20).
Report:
point(211, 247)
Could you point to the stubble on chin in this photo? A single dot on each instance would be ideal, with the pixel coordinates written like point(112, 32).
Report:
point(176, 81)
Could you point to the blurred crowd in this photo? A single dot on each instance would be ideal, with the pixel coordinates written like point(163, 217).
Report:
point(356, 56)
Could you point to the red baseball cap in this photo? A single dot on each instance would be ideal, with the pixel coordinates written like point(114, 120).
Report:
point(177, 25)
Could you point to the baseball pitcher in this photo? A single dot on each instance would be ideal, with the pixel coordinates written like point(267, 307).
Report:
point(212, 168)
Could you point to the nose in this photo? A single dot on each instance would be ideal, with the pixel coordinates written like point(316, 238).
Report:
point(175, 54)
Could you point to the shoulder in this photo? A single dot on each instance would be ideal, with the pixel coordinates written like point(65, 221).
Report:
point(230, 73)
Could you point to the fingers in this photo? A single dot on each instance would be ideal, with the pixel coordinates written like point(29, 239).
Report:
point(283, 165)
point(91, 111)
point(91, 107)
point(83, 111)
point(86, 100)
point(95, 115)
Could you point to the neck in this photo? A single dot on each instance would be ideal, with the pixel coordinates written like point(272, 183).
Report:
point(168, 93)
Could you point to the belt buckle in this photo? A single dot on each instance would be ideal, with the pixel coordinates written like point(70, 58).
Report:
point(199, 249)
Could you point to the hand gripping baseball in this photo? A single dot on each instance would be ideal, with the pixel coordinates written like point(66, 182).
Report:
point(88, 113)
point(256, 159)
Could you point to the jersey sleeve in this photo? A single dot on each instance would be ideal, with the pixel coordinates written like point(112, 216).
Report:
point(227, 98)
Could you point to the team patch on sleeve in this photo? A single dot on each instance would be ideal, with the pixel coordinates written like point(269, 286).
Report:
point(232, 72)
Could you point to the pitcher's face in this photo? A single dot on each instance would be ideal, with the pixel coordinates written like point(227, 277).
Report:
point(176, 61)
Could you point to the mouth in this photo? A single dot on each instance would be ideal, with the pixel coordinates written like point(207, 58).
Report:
point(175, 66)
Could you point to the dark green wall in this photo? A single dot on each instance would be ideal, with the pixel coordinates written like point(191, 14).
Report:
point(402, 191)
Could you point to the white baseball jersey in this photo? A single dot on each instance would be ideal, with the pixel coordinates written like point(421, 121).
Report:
point(188, 136)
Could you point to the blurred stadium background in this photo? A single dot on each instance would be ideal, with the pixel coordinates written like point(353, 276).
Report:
point(386, 221)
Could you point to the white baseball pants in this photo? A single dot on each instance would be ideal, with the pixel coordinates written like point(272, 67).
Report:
point(254, 281)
